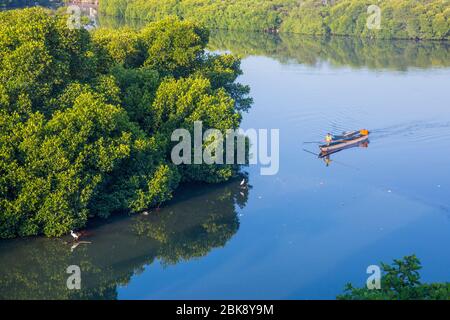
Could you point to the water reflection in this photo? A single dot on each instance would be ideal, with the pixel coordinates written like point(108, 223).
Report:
point(337, 51)
point(201, 219)
point(376, 54)
point(88, 10)
point(326, 156)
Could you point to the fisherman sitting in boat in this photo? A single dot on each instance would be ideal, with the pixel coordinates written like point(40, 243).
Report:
point(328, 138)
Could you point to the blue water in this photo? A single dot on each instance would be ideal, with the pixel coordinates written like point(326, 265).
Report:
point(311, 229)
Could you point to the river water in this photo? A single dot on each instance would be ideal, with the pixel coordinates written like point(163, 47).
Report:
point(311, 228)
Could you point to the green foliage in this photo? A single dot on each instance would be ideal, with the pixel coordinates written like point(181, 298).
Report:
point(174, 47)
point(253, 15)
point(159, 188)
point(39, 56)
point(121, 46)
point(179, 103)
point(307, 18)
point(404, 19)
point(400, 281)
point(401, 19)
point(86, 118)
point(58, 164)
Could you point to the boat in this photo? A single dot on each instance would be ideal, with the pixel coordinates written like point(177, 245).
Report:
point(344, 141)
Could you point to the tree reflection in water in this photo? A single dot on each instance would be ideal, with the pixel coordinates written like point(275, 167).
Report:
point(199, 220)
point(398, 55)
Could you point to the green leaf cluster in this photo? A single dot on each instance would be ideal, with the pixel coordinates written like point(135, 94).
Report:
point(400, 281)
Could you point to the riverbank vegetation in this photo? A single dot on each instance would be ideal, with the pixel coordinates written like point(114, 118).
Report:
point(403, 19)
point(400, 281)
point(86, 118)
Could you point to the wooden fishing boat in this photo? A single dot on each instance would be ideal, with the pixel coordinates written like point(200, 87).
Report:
point(344, 141)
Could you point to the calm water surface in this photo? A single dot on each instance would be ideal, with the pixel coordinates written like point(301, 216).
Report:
point(307, 231)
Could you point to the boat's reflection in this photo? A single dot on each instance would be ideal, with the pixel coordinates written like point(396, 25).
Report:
point(326, 156)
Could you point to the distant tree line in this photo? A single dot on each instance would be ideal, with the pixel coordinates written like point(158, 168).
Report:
point(401, 19)
point(86, 117)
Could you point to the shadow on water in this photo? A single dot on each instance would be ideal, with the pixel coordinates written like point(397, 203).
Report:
point(201, 219)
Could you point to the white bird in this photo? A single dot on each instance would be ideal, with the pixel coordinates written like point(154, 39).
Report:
point(242, 182)
point(74, 235)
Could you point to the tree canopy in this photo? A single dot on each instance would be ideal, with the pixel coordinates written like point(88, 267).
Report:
point(86, 117)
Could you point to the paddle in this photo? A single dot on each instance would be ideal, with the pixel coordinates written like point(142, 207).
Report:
point(311, 152)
